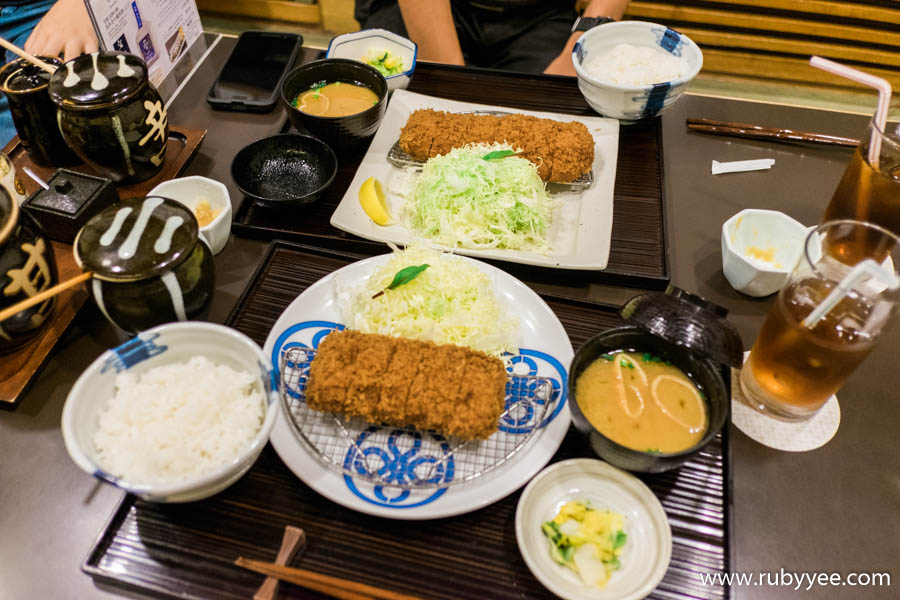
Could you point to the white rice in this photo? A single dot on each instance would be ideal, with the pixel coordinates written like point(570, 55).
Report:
point(625, 64)
point(179, 421)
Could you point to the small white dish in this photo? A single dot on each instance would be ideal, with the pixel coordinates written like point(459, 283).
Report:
point(760, 249)
point(356, 46)
point(630, 102)
point(166, 344)
point(646, 554)
point(190, 191)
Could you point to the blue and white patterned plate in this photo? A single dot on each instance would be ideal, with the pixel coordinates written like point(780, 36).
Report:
point(545, 350)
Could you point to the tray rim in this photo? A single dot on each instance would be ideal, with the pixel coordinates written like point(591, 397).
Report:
point(341, 240)
point(120, 512)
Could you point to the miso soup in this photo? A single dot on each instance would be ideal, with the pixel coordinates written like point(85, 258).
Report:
point(642, 402)
point(337, 99)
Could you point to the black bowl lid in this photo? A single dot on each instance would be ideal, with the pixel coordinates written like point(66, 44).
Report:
point(136, 238)
point(687, 320)
point(98, 79)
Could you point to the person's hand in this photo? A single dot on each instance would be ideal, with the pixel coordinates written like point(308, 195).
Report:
point(66, 28)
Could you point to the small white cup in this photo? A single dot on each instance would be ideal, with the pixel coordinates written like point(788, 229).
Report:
point(759, 249)
point(190, 191)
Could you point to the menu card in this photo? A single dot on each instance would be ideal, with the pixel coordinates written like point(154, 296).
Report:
point(159, 31)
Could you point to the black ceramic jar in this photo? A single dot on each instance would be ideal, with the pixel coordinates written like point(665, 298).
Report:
point(111, 115)
point(150, 266)
point(33, 113)
point(27, 267)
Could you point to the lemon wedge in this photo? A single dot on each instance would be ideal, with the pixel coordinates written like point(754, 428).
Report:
point(371, 198)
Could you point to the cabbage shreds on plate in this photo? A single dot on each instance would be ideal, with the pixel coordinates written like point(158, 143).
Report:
point(450, 302)
point(464, 200)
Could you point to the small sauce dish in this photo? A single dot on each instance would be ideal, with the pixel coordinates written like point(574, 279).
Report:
point(759, 250)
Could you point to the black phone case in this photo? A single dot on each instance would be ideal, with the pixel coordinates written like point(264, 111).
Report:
point(255, 105)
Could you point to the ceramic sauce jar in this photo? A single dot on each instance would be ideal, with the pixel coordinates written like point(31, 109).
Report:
point(27, 267)
point(150, 266)
point(111, 115)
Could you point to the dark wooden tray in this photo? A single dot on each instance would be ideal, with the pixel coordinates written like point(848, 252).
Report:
point(20, 368)
point(638, 255)
point(183, 145)
point(186, 551)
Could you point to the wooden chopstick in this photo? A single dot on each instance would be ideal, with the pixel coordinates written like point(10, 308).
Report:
point(48, 293)
point(294, 539)
point(333, 586)
point(29, 57)
point(746, 130)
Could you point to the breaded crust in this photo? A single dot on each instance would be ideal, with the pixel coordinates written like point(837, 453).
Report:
point(449, 389)
point(562, 151)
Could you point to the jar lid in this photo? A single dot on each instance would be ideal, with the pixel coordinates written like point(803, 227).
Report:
point(136, 239)
point(98, 79)
point(687, 320)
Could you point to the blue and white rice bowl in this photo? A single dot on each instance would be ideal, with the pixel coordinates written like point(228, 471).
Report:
point(625, 102)
point(356, 46)
point(168, 344)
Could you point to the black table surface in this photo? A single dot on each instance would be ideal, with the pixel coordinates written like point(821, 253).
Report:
point(834, 509)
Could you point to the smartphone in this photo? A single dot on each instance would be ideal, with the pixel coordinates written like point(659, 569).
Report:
point(251, 78)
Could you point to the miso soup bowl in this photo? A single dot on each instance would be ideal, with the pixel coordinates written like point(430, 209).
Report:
point(337, 132)
point(704, 373)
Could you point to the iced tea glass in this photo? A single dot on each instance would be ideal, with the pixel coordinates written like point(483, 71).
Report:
point(793, 369)
point(870, 189)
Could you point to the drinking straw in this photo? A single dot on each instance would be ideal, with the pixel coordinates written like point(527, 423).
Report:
point(884, 97)
point(867, 269)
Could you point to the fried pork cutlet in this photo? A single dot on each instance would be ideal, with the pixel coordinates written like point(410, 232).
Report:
point(562, 151)
point(445, 388)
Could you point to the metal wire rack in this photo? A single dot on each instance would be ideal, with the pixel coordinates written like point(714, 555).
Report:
point(401, 159)
point(407, 458)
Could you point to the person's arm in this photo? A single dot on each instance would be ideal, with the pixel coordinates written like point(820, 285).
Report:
point(562, 64)
point(66, 28)
point(430, 25)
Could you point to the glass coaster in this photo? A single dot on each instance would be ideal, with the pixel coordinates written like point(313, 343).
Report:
point(798, 436)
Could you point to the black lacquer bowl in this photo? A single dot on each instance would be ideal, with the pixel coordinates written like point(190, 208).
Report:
point(338, 132)
point(703, 372)
point(284, 170)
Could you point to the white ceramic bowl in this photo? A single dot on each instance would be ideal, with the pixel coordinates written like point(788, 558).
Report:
point(631, 103)
point(647, 551)
point(166, 344)
point(190, 191)
point(356, 46)
point(759, 250)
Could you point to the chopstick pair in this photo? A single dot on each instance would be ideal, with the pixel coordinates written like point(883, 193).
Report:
point(746, 130)
point(325, 584)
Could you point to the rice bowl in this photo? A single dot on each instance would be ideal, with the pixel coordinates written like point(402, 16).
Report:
point(164, 346)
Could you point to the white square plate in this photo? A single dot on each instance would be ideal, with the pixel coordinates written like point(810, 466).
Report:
point(582, 224)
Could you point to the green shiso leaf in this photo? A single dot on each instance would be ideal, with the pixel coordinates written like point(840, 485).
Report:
point(402, 277)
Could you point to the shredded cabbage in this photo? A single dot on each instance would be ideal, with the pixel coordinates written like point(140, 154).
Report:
point(462, 200)
point(450, 302)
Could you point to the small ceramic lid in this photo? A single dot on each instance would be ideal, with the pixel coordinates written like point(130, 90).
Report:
point(98, 79)
point(687, 320)
point(136, 238)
